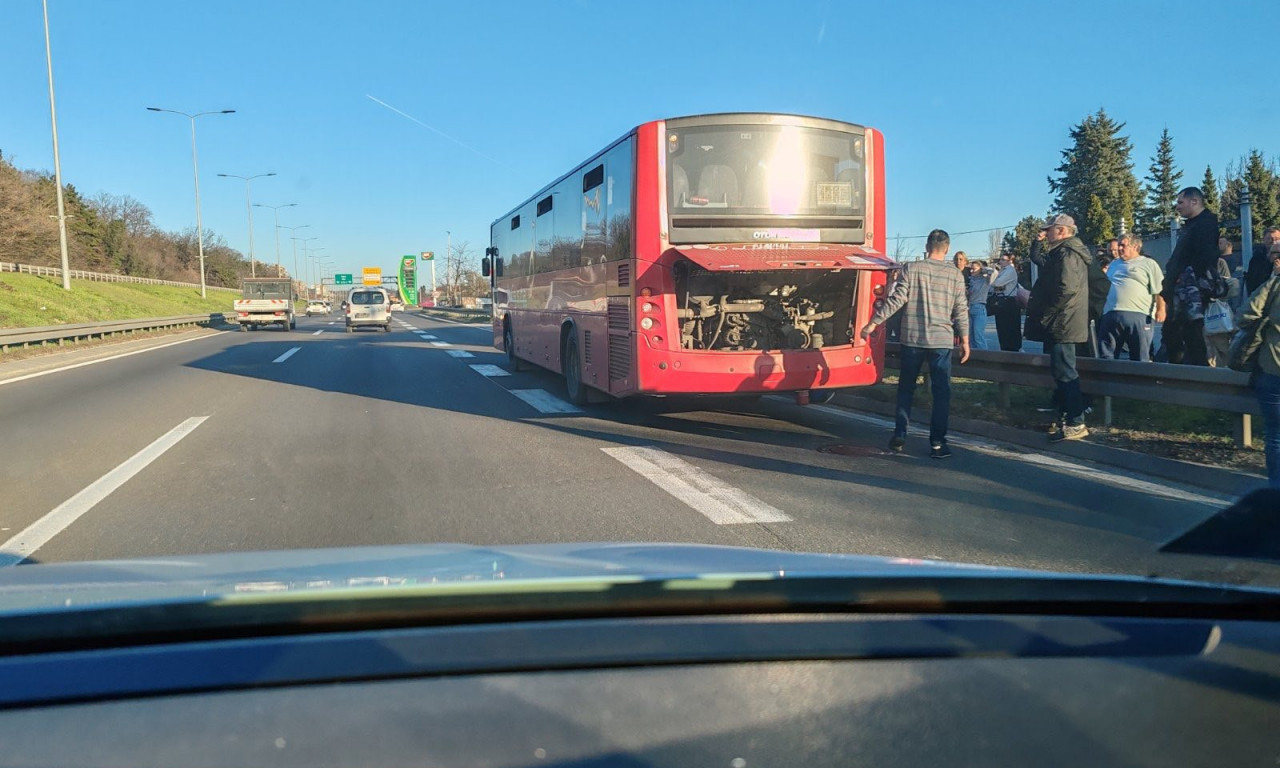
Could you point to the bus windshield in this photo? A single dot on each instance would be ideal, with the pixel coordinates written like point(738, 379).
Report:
point(770, 170)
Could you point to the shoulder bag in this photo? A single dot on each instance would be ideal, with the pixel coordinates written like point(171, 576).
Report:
point(1246, 345)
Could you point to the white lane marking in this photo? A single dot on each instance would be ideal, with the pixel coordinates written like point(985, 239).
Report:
point(104, 359)
point(459, 353)
point(490, 370)
point(286, 355)
point(720, 502)
point(545, 402)
point(333, 322)
point(425, 336)
point(1109, 475)
point(441, 344)
point(41, 531)
point(317, 333)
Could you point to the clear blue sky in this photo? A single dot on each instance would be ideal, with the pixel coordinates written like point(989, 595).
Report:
point(975, 102)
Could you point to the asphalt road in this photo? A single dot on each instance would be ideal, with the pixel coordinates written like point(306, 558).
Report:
point(317, 438)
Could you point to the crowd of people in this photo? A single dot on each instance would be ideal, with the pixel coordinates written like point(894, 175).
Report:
point(1104, 302)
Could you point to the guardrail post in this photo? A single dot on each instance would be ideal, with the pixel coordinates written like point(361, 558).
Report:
point(1106, 411)
point(1244, 431)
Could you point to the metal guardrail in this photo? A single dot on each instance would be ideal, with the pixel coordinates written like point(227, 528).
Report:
point(101, 277)
point(1218, 389)
point(59, 334)
point(479, 314)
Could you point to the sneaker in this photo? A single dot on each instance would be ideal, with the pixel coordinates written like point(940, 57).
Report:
point(939, 451)
point(897, 443)
point(1070, 432)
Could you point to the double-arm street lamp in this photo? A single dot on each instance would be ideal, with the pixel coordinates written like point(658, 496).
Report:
point(195, 166)
point(276, 210)
point(248, 207)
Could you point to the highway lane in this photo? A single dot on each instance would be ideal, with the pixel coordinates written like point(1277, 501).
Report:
point(374, 438)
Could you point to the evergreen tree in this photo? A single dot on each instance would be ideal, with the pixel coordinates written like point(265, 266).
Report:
point(1098, 226)
point(1162, 185)
point(1018, 242)
point(1209, 186)
point(1263, 179)
point(1098, 163)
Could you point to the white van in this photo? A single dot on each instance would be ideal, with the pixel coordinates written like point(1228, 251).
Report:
point(368, 306)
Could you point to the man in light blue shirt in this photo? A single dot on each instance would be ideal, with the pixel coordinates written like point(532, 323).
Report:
point(1133, 303)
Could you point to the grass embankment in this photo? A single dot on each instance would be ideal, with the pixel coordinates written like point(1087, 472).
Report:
point(28, 300)
point(1178, 432)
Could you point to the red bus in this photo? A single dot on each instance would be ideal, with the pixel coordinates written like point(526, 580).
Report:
point(727, 253)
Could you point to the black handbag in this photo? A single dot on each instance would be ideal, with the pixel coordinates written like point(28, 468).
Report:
point(1246, 345)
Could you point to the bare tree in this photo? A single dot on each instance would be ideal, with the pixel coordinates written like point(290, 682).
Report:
point(995, 238)
point(902, 249)
point(457, 262)
point(134, 213)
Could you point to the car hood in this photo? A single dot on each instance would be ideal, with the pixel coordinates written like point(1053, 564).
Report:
point(507, 570)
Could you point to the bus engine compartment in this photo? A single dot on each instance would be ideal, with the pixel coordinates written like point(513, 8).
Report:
point(767, 310)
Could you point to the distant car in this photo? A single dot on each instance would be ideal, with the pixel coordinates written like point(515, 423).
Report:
point(317, 308)
point(369, 306)
point(397, 305)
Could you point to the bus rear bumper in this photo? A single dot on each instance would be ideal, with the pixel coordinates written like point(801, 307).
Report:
point(667, 372)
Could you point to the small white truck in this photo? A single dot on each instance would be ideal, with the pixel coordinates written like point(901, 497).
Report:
point(265, 301)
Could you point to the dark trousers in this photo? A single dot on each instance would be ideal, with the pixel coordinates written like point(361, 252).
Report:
point(1268, 390)
point(1183, 341)
point(911, 359)
point(1009, 324)
point(1062, 365)
point(1121, 330)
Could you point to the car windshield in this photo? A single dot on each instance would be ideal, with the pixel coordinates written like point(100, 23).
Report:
point(534, 280)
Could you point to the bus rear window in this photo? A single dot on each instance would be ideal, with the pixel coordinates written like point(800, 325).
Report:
point(765, 170)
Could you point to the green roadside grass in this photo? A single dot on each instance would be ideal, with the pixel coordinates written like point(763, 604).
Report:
point(1178, 432)
point(30, 301)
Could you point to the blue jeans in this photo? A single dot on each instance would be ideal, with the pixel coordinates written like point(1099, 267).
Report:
point(911, 359)
point(978, 326)
point(1067, 395)
point(1267, 388)
point(1121, 329)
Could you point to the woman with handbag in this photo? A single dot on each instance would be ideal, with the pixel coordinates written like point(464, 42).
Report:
point(1257, 348)
point(1005, 306)
point(1219, 319)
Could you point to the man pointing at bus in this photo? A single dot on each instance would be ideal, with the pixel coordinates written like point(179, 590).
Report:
point(936, 315)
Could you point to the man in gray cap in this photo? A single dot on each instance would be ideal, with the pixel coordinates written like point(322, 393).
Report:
point(1058, 315)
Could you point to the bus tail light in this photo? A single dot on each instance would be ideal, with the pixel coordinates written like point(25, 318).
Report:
point(646, 292)
point(878, 290)
point(648, 323)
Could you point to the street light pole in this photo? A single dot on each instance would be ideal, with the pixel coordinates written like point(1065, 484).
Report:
point(57, 161)
point(248, 208)
point(293, 231)
point(310, 256)
point(195, 167)
point(276, 210)
point(448, 259)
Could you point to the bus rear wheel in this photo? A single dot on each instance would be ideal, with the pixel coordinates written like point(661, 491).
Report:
point(572, 365)
point(509, 346)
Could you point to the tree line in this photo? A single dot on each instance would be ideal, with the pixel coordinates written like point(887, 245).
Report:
point(1095, 183)
point(108, 233)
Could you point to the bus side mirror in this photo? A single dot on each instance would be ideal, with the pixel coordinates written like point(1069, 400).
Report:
point(484, 267)
point(498, 266)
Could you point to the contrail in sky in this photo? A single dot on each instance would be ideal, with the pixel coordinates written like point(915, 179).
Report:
point(433, 128)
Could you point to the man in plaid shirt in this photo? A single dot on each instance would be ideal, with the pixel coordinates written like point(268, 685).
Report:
point(935, 313)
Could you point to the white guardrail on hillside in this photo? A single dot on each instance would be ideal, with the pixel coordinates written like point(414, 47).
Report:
point(22, 338)
point(101, 277)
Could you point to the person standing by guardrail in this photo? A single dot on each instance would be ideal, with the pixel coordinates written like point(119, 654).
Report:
point(1058, 315)
point(1003, 304)
point(977, 286)
point(935, 314)
point(1133, 303)
point(1258, 270)
point(1263, 307)
point(1189, 280)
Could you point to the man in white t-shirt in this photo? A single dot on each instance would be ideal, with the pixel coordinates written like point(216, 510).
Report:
point(1133, 302)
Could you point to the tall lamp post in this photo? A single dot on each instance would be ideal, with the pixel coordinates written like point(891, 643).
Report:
point(57, 161)
point(195, 167)
point(313, 263)
point(293, 231)
point(248, 208)
point(304, 241)
point(276, 209)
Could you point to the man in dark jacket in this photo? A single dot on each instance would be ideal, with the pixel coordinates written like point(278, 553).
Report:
point(1191, 270)
point(1259, 269)
point(1058, 314)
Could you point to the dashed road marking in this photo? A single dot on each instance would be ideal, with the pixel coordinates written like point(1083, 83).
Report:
point(720, 502)
point(41, 531)
point(545, 402)
point(490, 370)
point(459, 353)
point(286, 355)
point(317, 333)
point(441, 344)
